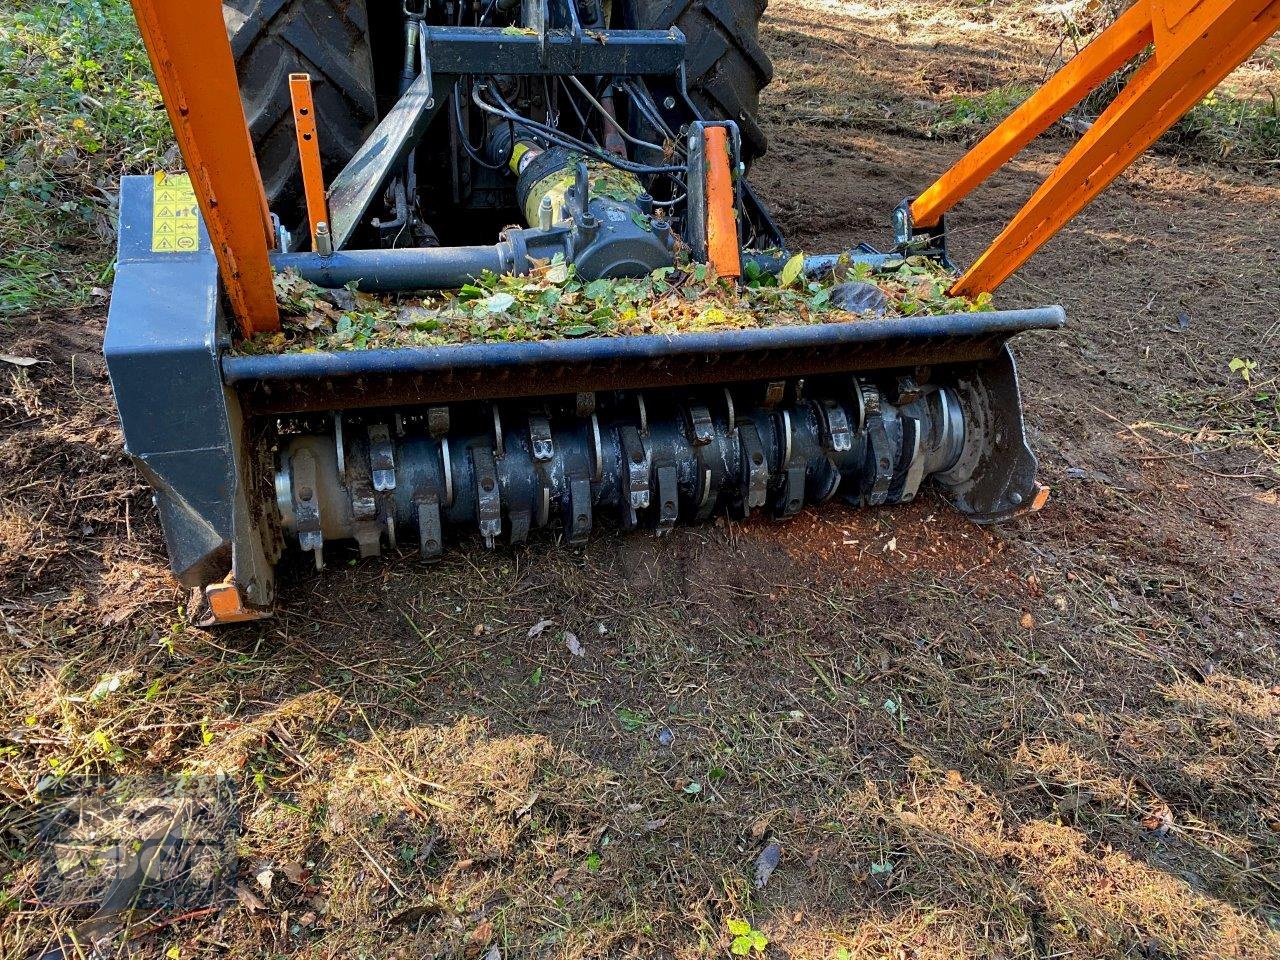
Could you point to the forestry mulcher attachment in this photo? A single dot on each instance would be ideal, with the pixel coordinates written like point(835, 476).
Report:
point(389, 145)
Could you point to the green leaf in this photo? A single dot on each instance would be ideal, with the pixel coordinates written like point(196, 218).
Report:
point(536, 677)
point(499, 303)
point(578, 330)
point(598, 289)
point(630, 720)
point(593, 861)
point(1243, 367)
point(740, 947)
point(104, 688)
point(793, 270)
point(738, 928)
point(693, 789)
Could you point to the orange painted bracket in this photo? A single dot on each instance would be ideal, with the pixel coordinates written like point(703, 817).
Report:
point(304, 119)
point(724, 253)
point(224, 604)
point(191, 56)
point(1196, 44)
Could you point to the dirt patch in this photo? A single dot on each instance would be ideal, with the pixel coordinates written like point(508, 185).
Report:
point(1057, 737)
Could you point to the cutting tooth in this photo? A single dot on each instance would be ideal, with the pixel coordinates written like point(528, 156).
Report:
point(382, 459)
point(488, 494)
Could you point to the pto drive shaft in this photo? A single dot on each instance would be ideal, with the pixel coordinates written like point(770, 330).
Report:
point(642, 459)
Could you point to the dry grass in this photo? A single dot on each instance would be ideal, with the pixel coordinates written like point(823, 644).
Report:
point(1053, 771)
point(953, 70)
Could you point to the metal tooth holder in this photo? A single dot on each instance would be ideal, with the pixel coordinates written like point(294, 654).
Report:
point(430, 528)
point(305, 508)
point(382, 461)
point(579, 523)
point(668, 499)
point(755, 468)
point(836, 435)
point(488, 497)
point(543, 448)
point(636, 477)
point(881, 450)
point(365, 527)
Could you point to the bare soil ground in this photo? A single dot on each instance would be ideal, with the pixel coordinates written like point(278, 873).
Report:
point(1058, 738)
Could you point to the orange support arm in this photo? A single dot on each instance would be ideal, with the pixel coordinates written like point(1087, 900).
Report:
point(304, 119)
point(1197, 43)
point(191, 55)
point(723, 252)
point(1112, 49)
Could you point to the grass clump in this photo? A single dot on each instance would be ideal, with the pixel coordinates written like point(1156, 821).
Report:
point(1242, 418)
point(554, 304)
point(977, 113)
point(80, 109)
point(1225, 126)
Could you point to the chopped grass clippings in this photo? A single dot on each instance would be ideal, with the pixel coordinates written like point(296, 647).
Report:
point(553, 303)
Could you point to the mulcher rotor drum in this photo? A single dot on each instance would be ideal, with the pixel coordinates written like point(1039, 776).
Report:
point(648, 459)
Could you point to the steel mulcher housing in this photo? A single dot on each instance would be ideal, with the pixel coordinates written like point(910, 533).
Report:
point(255, 455)
point(250, 455)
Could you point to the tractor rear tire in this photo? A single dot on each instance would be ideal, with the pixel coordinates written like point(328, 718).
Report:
point(726, 67)
point(328, 39)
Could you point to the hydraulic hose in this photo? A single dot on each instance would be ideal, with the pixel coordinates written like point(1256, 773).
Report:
point(418, 268)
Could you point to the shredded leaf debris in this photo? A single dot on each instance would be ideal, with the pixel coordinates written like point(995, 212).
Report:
point(552, 303)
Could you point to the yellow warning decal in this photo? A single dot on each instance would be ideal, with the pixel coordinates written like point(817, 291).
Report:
point(175, 216)
point(517, 154)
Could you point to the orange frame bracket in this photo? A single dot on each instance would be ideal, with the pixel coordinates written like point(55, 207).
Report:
point(304, 120)
point(724, 253)
point(191, 56)
point(1196, 44)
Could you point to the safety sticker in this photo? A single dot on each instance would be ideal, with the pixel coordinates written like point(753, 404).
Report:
point(175, 216)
